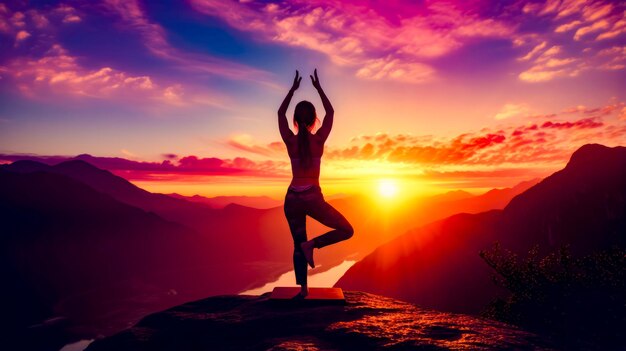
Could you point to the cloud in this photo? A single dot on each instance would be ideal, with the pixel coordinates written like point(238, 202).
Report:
point(187, 167)
point(618, 28)
point(155, 39)
point(71, 19)
point(170, 156)
point(58, 72)
point(547, 139)
point(39, 19)
point(21, 36)
point(568, 26)
point(596, 26)
point(548, 66)
point(49, 70)
point(245, 142)
point(517, 150)
point(68, 13)
point(410, 72)
point(24, 22)
point(583, 123)
point(534, 51)
point(128, 153)
point(512, 110)
point(363, 37)
point(48, 67)
point(576, 25)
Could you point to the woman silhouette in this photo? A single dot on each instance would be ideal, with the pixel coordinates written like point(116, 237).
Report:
point(304, 196)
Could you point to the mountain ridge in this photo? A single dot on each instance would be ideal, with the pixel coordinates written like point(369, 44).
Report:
point(587, 196)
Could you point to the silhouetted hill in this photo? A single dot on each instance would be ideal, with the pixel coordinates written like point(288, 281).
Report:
point(234, 234)
point(436, 266)
point(75, 253)
point(117, 187)
point(491, 200)
point(91, 258)
point(367, 322)
point(583, 205)
point(260, 202)
point(453, 195)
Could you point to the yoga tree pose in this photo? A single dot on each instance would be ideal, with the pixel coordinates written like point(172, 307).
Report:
point(304, 195)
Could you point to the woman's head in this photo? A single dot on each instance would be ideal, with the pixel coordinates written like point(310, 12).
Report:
point(304, 115)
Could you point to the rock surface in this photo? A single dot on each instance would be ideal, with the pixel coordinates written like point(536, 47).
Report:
point(367, 322)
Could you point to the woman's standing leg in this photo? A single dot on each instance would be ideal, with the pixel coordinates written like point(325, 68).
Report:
point(296, 218)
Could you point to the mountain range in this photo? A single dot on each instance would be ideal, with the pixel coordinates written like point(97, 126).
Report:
point(87, 251)
point(438, 265)
point(260, 202)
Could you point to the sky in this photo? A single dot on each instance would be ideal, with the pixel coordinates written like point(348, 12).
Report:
point(181, 96)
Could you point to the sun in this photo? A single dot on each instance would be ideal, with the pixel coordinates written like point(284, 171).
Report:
point(387, 188)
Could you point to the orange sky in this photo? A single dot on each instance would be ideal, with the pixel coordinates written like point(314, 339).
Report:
point(436, 95)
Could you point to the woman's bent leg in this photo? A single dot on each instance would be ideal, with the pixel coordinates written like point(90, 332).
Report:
point(324, 213)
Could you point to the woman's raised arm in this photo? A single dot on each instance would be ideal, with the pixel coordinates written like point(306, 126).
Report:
point(283, 125)
point(327, 124)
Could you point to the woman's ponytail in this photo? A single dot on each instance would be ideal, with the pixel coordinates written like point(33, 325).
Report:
point(304, 117)
point(304, 149)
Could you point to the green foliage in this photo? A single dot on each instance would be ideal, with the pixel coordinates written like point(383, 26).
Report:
point(578, 301)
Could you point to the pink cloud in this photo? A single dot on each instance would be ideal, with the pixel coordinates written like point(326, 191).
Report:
point(68, 13)
point(583, 123)
point(574, 22)
point(596, 26)
point(512, 110)
point(545, 142)
point(568, 26)
point(547, 65)
point(618, 28)
point(154, 36)
point(354, 35)
point(185, 168)
point(58, 72)
point(596, 111)
point(21, 35)
point(534, 51)
point(244, 142)
point(21, 20)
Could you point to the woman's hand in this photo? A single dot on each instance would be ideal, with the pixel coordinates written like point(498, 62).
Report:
point(296, 81)
point(316, 81)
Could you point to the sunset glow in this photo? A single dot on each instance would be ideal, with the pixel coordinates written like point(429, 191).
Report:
point(387, 188)
point(183, 98)
point(454, 159)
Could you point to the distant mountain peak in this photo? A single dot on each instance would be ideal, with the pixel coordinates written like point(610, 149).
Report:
point(593, 153)
point(26, 166)
point(77, 163)
point(526, 183)
point(84, 156)
point(26, 162)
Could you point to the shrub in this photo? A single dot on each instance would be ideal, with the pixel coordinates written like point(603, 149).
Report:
point(579, 302)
